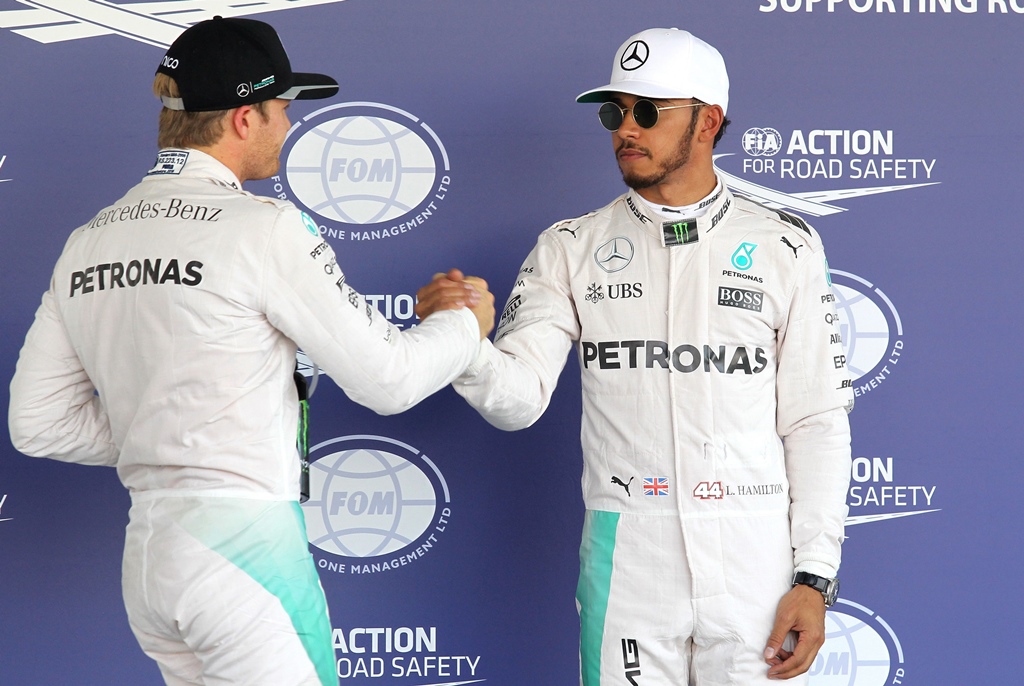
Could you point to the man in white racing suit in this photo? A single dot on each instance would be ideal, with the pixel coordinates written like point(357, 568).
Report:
point(715, 435)
point(166, 346)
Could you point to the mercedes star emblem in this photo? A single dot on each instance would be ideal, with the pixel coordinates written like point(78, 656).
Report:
point(634, 56)
point(614, 255)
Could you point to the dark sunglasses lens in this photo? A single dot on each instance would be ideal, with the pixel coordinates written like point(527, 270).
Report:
point(611, 116)
point(645, 113)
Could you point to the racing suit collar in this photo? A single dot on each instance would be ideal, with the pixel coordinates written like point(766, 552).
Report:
point(192, 163)
point(685, 230)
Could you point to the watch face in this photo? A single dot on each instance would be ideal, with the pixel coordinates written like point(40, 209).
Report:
point(831, 592)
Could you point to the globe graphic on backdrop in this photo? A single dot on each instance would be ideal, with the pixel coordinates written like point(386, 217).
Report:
point(759, 142)
point(360, 169)
point(864, 329)
point(854, 654)
point(367, 502)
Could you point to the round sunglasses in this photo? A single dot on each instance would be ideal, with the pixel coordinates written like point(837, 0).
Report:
point(645, 113)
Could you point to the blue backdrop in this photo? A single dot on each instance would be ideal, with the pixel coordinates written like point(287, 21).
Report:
point(448, 549)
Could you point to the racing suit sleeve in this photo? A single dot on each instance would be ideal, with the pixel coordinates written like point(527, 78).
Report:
point(814, 395)
point(306, 297)
point(511, 382)
point(54, 410)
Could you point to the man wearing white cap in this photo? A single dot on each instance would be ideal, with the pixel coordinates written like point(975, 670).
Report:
point(715, 438)
point(166, 347)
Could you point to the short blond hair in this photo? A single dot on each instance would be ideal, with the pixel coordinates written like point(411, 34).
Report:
point(180, 129)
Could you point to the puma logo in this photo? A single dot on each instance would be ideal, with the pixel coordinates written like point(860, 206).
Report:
point(568, 230)
point(617, 480)
point(792, 247)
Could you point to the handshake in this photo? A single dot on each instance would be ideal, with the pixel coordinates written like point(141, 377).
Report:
point(453, 291)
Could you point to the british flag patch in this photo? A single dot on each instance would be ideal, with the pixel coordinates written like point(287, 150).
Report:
point(655, 485)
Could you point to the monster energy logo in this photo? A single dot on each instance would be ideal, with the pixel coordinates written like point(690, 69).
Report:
point(680, 233)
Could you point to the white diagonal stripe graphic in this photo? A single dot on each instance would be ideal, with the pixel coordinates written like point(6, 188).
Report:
point(114, 18)
point(867, 519)
point(63, 32)
point(12, 19)
point(858, 192)
point(153, 23)
point(808, 202)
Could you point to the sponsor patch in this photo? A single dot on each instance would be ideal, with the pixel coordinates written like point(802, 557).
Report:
point(508, 317)
point(310, 225)
point(680, 233)
point(263, 84)
point(631, 660)
point(742, 258)
point(794, 248)
point(644, 219)
point(614, 255)
point(740, 297)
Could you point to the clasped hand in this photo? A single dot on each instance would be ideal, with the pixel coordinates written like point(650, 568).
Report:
point(453, 291)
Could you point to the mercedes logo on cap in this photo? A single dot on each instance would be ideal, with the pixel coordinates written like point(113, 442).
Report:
point(634, 56)
point(242, 90)
point(614, 255)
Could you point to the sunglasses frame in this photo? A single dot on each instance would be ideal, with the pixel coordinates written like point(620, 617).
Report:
point(622, 112)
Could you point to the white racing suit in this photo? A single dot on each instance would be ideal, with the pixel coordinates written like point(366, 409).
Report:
point(716, 445)
point(166, 347)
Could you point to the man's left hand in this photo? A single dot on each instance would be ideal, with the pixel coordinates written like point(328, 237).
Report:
point(802, 610)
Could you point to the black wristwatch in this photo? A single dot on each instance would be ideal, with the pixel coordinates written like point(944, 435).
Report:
point(829, 588)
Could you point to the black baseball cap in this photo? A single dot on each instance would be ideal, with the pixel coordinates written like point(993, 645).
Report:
point(220, 64)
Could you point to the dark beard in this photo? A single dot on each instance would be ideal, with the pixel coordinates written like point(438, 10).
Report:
point(679, 159)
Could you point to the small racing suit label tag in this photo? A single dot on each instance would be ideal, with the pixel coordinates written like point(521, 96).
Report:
point(169, 162)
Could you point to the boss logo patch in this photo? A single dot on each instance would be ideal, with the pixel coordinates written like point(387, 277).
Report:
point(741, 298)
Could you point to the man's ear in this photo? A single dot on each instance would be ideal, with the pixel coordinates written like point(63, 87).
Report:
point(711, 118)
point(242, 120)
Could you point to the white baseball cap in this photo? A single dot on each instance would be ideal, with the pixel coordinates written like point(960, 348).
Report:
point(665, 64)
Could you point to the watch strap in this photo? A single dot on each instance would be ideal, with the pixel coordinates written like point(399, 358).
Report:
point(828, 587)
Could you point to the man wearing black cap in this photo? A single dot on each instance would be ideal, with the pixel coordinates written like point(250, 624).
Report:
point(716, 444)
point(166, 347)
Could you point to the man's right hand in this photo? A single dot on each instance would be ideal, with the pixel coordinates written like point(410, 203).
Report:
point(453, 291)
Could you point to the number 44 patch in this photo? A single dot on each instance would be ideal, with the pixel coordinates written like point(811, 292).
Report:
point(709, 490)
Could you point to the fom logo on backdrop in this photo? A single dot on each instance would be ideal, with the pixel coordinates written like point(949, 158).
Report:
point(364, 170)
point(376, 504)
point(153, 23)
point(861, 649)
point(871, 330)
